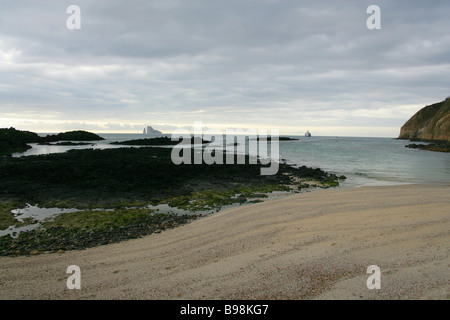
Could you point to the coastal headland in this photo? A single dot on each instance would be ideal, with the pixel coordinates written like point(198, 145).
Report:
point(315, 245)
point(430, 126)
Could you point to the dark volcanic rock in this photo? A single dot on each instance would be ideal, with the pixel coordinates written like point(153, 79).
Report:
point(78, 135)
point(12, 140)
point(441, 146)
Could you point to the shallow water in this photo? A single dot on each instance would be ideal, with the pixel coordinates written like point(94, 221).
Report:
point(37, 214)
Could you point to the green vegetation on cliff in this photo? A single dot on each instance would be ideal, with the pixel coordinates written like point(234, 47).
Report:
point(429, 123)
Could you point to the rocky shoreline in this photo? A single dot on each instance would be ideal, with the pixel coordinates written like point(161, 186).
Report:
point(439, 146)
point(64, 238)
point(128, 181)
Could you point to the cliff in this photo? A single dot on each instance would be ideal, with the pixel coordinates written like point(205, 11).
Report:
point(429, 123)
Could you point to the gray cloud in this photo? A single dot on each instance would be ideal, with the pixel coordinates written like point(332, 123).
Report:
point(286, 64)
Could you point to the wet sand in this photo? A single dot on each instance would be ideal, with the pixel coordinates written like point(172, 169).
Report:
point(314, 245)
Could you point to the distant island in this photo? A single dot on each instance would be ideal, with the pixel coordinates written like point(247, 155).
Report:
point(279, 138)
point(149, 131)
point(269, 138)
point(13, 140)
point(66, 143)
point(429, 124)
point(77, 135)
point(158, 141)
point(166, 141)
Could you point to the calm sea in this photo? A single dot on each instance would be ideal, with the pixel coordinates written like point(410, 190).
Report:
point(364, 161)
point(370, 161)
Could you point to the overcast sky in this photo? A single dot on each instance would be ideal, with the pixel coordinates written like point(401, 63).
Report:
point(263, 64)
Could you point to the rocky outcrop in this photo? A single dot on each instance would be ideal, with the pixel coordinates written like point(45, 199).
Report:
point(12, 140)
point(77, 135)
point(150, 131)
point(429, 123)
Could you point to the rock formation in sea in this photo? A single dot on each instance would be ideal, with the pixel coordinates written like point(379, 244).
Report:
point(429, 123)
point(150, 131)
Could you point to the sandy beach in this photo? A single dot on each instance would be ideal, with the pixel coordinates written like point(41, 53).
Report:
point(314, 245)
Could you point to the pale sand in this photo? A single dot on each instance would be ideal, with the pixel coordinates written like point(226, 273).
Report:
point(312, 245)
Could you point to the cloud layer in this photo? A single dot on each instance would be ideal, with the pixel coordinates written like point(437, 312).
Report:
point(291, 65)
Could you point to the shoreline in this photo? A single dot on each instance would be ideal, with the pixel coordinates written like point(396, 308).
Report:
point(312, 245)
point(55, 238)
point(132, 182)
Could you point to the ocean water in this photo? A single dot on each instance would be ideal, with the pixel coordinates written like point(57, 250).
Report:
point(364, 161)
point(369, 161)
